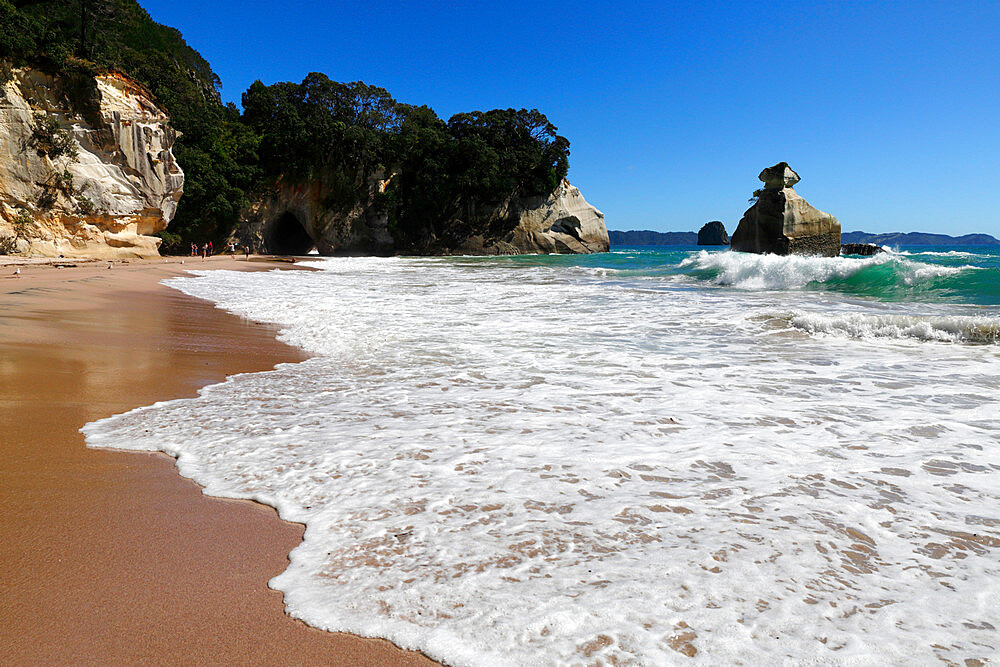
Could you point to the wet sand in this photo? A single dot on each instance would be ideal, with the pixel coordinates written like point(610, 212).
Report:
point(112, 557)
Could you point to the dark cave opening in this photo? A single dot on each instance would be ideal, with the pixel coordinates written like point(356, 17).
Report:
point(287, 236)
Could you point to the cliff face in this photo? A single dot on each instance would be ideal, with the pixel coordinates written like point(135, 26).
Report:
point(293, 219)
point(86, 168)
point(563, 222)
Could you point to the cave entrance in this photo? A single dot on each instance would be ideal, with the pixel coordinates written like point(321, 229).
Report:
point(287, 236)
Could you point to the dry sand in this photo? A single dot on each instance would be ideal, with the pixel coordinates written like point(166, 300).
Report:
point(112, 557)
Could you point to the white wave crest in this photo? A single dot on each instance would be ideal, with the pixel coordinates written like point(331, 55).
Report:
point(951, 329)
point(948, 253)
point(757, 272)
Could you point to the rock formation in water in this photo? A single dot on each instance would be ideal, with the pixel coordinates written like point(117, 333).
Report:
point(713, 233)
point(294, 218)
point(864, 249)
point(783, 223)
point(86, 168)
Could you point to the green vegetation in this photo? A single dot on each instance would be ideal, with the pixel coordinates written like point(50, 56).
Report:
point(21, 222)
point(345, 133)
point(341, 133)
point(64, 181)
point(50, 138)
point(85, 205)
point(46, 199)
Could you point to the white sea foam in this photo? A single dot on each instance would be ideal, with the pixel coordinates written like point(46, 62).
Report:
point(946, 253)
point(952, 328)
point(512, 465)
point(757, 272)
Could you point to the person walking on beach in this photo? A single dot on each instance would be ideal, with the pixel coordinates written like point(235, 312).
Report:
point(210, 248)
point(194, 248)
point(246, 249)
point(203, 251)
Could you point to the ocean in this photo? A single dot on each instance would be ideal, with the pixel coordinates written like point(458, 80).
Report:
point(650, 456)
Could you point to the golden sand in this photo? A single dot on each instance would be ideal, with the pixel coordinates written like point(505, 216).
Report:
point(112, 557)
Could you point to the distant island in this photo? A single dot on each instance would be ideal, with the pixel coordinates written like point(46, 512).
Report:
point(647, 237)
point(711, 233)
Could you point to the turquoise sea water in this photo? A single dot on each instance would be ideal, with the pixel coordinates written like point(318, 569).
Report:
point(938, 274)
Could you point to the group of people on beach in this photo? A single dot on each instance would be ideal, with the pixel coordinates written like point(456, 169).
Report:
point(205, 250)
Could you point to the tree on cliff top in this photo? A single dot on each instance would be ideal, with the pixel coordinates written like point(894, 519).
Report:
point(322, 128)
point(509, 151)
point(320, 125)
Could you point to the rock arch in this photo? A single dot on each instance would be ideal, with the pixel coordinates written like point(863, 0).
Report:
point(286, 235)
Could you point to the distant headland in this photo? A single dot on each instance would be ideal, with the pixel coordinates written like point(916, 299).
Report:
point(648, 237)
point(918, 238)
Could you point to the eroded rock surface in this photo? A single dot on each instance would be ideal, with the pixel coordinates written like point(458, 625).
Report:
point(116, 184)
point(563, 222)
point(783, 223)
point(294, 217)
point(863, 249)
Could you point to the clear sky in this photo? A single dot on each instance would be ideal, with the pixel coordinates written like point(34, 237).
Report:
point(889, 111)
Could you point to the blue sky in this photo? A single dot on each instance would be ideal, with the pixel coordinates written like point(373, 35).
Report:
point(889, 111)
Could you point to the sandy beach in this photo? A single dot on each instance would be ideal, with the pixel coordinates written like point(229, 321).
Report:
point(111, 557)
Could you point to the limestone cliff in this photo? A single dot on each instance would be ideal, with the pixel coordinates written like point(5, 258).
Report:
point(294, 218)
point(86, 168)
point(783, 223)
point(562, 222)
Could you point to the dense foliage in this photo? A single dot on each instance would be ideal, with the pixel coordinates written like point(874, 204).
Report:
point(350, 131)
point(342, 133)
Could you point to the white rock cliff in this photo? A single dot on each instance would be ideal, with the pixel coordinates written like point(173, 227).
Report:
point(121, 186)
point(563, 222)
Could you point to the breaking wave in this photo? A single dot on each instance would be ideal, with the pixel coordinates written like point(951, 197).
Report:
point(887, 276)
point(946, 329)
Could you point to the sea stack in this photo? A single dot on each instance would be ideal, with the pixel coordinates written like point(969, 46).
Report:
point(783, 223)
point(713, 233)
